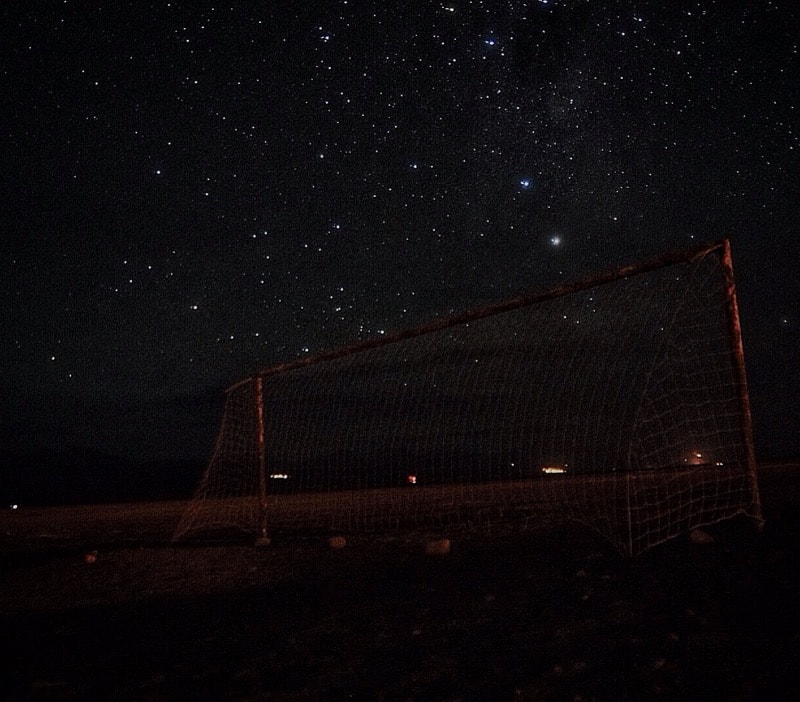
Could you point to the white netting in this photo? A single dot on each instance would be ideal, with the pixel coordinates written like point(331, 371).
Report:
point(616, 405)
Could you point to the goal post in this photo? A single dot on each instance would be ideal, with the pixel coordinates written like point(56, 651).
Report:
point(618, 401)
point(742, 391)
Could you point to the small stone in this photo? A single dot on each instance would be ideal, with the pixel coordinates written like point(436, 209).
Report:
point(438, 547)
point(577, 667)
point(698, 536)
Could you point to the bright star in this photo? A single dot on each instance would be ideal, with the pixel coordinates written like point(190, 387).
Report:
point(525, 183)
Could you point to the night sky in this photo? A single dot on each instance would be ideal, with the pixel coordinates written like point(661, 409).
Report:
point(196, 191)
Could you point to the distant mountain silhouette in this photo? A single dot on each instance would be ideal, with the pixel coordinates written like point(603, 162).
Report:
point(57, 448)
point(83, 475)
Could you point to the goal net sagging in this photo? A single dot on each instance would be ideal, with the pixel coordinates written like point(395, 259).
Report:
point(618, 402)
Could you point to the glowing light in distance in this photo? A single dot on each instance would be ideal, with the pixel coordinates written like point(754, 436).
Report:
point(551, 470)
point(697, 458)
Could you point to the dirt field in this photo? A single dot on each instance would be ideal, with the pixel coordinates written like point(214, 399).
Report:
point(96, 604)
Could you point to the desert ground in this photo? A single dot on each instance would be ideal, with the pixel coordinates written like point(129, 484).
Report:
point(97, 603)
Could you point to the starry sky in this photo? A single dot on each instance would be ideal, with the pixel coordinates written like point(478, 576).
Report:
point(194, 191)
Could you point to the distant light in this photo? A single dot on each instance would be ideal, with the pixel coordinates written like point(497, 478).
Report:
point(555, 240)
point(279, 476)
point(525, 183)
point(411, 479)
point(15, 506)
point(554, 469)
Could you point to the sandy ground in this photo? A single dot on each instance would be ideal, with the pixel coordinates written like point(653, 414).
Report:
point(96, 604)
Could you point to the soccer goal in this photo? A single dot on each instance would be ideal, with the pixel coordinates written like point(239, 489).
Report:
point(618, 401)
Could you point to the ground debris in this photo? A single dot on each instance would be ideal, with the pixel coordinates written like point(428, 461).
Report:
point(500, 619)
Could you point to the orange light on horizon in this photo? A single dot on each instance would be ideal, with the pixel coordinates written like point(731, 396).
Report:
point(551, 470)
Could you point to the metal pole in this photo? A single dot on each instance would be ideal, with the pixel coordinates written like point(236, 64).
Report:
point(263, 538)
point(583, 283)
point(737, 349)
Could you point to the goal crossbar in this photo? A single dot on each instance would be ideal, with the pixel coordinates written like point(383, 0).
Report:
point(578, 284)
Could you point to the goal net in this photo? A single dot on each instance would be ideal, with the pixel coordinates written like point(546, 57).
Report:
point(617, 401)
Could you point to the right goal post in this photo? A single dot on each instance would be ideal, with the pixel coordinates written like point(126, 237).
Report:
point(618, 401)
